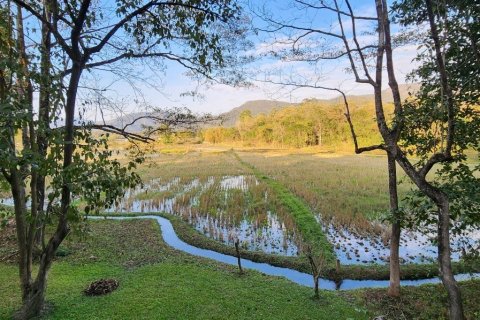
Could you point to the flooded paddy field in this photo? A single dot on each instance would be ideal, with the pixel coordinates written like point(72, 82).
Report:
point(223, 199)
point(225, 208)
point(349, 195)
point(415, 247)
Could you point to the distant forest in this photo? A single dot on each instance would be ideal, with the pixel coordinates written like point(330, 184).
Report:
point(310, 123)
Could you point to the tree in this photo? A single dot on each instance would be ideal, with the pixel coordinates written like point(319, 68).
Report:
point(317, 263)
point(78, 36)
point(442, 123)
point(450, 91)
point(308, 44)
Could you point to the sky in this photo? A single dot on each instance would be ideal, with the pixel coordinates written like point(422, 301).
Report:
point(165, 86)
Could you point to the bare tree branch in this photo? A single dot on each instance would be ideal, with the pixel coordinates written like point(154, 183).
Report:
point(369, 80)
point(323, 6)
point(355, 39)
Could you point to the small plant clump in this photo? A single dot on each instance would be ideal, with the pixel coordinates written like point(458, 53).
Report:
point(101, 287)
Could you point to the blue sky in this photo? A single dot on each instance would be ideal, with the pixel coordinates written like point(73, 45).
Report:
point(166, 86)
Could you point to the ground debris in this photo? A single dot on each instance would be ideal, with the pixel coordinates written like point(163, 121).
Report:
point(101, 287)
point(8, 241)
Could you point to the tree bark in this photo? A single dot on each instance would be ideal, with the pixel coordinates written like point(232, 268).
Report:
point(33, 302)
point(19, 200)
point(444, 259)
point(394, 288)
point(445, 262)
point(44, 121)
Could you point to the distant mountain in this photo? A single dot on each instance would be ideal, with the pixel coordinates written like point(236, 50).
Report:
point(259, 106)
point(266, 106)
point(255, 106)
point(137, 126)
point(387, 96)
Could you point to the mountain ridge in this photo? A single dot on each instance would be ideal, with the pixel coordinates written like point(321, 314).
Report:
point(256, 107)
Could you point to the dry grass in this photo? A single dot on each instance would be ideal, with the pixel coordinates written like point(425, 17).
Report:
point(192, 163)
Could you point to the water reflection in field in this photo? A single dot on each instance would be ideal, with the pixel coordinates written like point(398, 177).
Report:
point(224, 208)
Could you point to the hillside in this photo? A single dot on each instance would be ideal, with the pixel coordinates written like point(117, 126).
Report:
point(266, 106)
point(255, 106)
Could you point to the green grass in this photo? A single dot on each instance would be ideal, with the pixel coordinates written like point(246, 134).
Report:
point(157, 282)
point(178, 291)
point(423, 303)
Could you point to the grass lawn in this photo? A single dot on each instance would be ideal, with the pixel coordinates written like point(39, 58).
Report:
point(426, 302)
point(157, 282)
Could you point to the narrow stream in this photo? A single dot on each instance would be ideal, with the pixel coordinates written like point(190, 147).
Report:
point(304, 279)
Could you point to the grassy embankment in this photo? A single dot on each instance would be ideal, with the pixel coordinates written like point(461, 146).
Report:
point(157, 282)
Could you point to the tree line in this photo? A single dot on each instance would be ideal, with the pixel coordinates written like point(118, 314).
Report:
point(310, 123)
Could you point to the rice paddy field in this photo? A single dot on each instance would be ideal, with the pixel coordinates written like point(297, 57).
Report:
point(278, 202)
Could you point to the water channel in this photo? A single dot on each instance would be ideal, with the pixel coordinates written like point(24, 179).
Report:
point(304, 279)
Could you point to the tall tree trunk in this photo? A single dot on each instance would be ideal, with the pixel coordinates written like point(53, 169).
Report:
point(19, 201)
point(445, 262)
point(24, 225)
point(442, 201)
point(33, 301)
point(43, 120)
point(444, 259)
point(34, 295)
point(394, 288)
